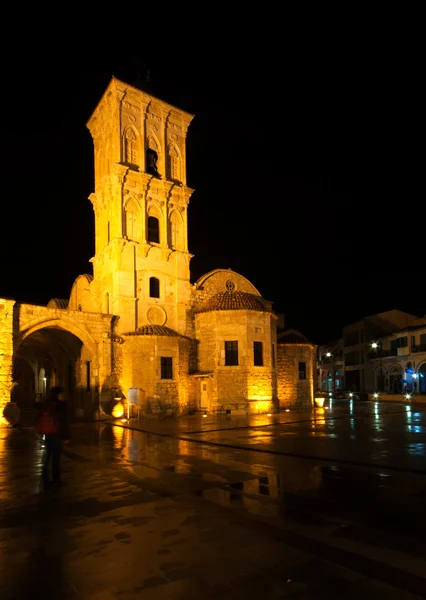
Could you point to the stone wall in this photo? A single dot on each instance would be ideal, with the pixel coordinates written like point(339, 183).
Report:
point(139, 361)
point(6, 351)
point(243, 382)
point(293, 392)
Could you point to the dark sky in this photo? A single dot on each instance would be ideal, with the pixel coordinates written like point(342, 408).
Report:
point(305, 168)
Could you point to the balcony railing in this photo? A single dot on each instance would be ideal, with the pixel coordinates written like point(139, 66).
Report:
point(419, 348)
point(385, 353)
point(328, 360)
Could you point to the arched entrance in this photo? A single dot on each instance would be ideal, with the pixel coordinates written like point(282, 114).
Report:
point(395, 379)
point(49, 355)
point(421, 378)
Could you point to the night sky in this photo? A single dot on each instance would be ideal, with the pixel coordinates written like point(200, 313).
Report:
point(304, 167)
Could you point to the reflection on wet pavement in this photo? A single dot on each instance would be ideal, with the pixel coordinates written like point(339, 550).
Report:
point(161, 514)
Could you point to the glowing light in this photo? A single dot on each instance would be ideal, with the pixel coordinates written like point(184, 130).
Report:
point(319, 402)
point(269, 415)
point(374, 345)
point(414, 375)
point(351, 394)
point(407, 396)
point(330, 393)
point(204, 415)
point(118, 410)
point(326, 407)
point(376, 395)
point(287, 410)
point(328, 354)
point(124, 420)
point(263, 406)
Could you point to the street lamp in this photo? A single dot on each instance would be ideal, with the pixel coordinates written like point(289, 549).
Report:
point(378, 346)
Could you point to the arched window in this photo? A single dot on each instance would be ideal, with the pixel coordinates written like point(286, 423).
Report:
point(395, 379)
point(422, 379)
point(130, 147)
point(154, 287)
point(153, 230)
point(175, 230)
point(133, 221)
point(174, 164)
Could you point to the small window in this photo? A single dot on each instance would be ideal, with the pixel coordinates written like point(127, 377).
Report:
point(302, 371)
point(403, 342)
point(154, 287)
point(257, 330)
point(231, 354)
point(273, 355)
point(258, 354)
point(166, 367)
point(153, 230)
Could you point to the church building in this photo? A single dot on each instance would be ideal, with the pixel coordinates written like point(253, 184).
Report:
point(137, 328)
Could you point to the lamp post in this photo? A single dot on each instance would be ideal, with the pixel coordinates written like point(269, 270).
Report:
point(376, 346)
point(330, 355)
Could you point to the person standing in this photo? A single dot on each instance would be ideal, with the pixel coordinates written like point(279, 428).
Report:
point(57, 406)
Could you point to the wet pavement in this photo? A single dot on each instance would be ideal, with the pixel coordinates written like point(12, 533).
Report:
point(327, 503)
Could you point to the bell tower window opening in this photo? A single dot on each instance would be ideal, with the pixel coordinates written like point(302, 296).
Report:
point(152, 162)
point(154, 287)
point(153, 230)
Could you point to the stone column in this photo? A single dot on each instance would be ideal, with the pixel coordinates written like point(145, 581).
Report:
point(6, 352)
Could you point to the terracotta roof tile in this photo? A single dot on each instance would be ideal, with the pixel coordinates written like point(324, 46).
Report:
point(233, 301)
point(155, 330)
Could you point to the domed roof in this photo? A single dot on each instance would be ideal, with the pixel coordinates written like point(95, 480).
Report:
point(155, 330)
point(57, 303)
point(292, 336)
point(233, 300)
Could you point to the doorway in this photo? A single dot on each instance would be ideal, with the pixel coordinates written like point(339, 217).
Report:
point(204, 394)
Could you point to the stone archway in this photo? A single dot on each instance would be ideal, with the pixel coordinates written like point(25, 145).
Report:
point(48, 356)
point(421, 378)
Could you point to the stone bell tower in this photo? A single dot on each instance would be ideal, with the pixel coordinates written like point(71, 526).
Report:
point(141, 262)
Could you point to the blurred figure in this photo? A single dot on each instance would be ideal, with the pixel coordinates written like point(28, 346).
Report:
point(57, 406)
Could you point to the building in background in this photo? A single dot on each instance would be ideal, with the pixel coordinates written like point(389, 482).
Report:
point(385, 352)
point(399, 362)
point(330, 375)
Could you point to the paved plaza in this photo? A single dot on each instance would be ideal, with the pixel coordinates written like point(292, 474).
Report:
point(328, 503)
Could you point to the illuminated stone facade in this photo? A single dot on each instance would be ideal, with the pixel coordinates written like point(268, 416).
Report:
point(137, 326)
point(295, 370)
